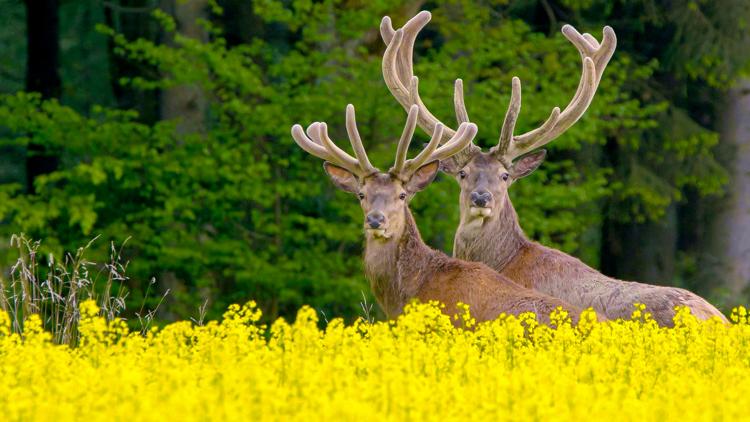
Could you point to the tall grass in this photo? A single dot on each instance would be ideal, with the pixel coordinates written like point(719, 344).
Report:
point(53, 288)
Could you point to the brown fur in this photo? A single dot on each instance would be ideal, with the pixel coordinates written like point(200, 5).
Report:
point(401, 267)
point(499, 242)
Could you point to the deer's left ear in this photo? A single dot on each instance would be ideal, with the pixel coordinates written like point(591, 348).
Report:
point(342, 178)
point(423, 177)
point(449, 166)
point(527, 164)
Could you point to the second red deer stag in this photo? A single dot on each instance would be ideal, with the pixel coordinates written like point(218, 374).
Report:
point(398, 264)
point(489, 231)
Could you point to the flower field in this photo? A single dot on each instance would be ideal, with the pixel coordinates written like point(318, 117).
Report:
point(419, 367)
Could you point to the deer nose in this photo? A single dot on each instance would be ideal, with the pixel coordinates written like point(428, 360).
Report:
point(375, 220)
point(480, 198)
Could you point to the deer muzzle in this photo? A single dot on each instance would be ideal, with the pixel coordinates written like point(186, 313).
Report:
point(375, 220)
point(480, 198)
point(375, 224)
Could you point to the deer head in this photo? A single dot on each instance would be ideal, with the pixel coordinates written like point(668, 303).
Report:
point(384, 196)
point(484, 177)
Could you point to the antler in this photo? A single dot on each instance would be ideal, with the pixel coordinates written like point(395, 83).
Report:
point(461, 138)
point(398, 69)
point(317, 143)
point(398, 72)
point(595, 59)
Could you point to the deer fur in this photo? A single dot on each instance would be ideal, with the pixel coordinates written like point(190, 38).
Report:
point(398, 264)
point(402, 268)
point(498, 241)
point(489, 231)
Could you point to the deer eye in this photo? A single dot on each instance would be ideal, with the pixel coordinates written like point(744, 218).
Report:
point(402, 196)
point(462, 174)
point(361, 195)
point(505, 176)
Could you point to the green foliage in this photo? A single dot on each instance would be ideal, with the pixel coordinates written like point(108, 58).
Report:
point(83, 55)
point(238, 211)
point(701, 47)
point(710, 40)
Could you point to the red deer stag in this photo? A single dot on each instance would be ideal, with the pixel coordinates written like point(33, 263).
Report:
point(489, 231)
point(398, 264)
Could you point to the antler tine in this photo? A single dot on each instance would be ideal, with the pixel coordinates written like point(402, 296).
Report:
point(386, 30)
point(401, 60)
point(595, 57)
point(394, 65)
point(390, 72)
point(342, 156)
point(432, 152)
point(588, 46)
point(406, 136)
point(590, 38)
point(356, 141)
point(511, 116)
point(458, 102)
point(427, 121)
point(423, 156)
point(405, 63)
point(460, 140)
point(559, 122)
point(309, 145)
point(427, 153)
point(398, 71)
point(317, 143)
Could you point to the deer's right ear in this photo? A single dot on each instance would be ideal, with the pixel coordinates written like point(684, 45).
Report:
point(527, 164)
point(422, 177)
point(342, 178)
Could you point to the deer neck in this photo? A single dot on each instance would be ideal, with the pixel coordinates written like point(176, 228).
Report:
point(395, 268)
point(495, 240)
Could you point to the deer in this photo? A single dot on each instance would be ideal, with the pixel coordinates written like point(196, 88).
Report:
point(400, 267)
point(489, 229)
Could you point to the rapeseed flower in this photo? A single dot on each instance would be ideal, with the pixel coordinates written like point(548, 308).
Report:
point(418, 367)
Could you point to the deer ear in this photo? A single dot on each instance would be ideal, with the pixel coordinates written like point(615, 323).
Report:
point(423, 177)
point(342, 178)
point(449, 166)
point(527, 164)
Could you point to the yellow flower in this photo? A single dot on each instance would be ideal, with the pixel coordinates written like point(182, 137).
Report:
point(418, 367)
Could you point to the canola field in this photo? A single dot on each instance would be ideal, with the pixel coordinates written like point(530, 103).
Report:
point(419, 367)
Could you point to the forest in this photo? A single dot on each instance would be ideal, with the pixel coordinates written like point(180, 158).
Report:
point(155, 135)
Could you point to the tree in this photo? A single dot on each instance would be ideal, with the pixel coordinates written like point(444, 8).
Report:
point(42, 74)
point(655, 224)
point(728, 254)
point(233, 209)
point(237, 210)
point(186, 103)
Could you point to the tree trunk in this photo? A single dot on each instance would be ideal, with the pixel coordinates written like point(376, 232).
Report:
point(185, 102)
point(133, 20)
point(42, 74)
point(730, 232)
